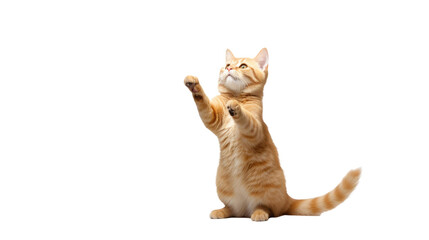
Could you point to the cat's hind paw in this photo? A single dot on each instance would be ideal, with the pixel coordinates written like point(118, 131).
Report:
point(220, 213)
point(259, 215)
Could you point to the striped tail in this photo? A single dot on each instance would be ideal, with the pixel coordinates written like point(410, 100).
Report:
point(318, 205)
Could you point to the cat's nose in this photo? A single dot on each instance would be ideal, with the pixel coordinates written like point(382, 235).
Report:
point(229, 69)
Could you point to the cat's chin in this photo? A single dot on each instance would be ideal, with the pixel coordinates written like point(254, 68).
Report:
point(232, 83)
point(230, 78)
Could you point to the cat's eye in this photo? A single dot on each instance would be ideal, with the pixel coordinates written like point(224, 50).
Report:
point(227, 65)
point(243, 66)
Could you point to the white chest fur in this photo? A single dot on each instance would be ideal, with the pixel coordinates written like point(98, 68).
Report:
point(241, 202)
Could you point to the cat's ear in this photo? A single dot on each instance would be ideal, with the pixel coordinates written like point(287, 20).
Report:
point(262, 59)
point(229, 56)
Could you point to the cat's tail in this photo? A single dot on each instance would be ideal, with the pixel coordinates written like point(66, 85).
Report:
point(318, 205)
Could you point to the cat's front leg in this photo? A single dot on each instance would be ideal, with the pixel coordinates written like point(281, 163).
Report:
point(208, 110)
point(250, 127)
point(192, 83)
point(234, 108)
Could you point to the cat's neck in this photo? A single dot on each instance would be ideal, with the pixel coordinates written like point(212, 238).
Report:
point(254, 92)
point(241, 97)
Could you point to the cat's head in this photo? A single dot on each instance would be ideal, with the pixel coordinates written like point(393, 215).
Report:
point(244, 75)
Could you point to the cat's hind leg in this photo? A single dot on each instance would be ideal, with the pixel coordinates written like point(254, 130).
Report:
point(260, 214)
point(221, 213)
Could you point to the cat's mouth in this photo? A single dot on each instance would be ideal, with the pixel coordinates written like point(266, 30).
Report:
point(230, 76)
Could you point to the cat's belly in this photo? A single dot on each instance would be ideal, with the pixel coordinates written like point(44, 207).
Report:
point(230, 174)
point(240, 203)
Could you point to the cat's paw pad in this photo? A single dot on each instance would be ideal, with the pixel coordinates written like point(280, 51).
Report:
point(259, 215)
point(233, 108)
point(192, 83)
point(231, 111)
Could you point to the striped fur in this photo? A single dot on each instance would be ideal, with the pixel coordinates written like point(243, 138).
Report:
point(250, 181)
point(318, 205)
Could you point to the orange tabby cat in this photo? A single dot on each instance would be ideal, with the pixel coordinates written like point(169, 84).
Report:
point(250, 181)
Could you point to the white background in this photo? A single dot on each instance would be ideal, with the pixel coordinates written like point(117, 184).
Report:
point(100, 139)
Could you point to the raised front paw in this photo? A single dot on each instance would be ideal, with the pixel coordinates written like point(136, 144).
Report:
point(192, 83)
point(233, 108)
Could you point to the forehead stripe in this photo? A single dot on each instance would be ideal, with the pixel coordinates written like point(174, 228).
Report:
point(240, 62)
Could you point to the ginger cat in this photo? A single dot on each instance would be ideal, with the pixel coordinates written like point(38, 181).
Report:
point(250, 181)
